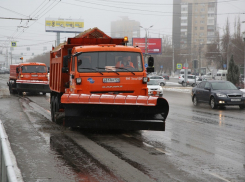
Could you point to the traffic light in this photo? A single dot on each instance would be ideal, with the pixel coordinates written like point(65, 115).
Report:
point(21, 58)
point(195, 64)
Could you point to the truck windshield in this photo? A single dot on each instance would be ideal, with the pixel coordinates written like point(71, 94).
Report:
point(33, 69)
point(109, 62)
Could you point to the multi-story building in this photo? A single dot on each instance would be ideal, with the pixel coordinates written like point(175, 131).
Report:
point(194, 26)
point(125, 27)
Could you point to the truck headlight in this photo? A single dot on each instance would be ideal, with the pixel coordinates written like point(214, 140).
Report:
point(221, 95)
point(78, 81)
point(145, 79)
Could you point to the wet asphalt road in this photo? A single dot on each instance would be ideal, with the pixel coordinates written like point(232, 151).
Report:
point(199, 144)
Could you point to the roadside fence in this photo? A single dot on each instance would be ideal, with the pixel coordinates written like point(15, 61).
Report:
point(7, 167)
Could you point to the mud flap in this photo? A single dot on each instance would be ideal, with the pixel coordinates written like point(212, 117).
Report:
point(125, 117)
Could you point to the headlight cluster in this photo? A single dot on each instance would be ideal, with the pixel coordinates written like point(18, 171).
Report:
point(221, 95)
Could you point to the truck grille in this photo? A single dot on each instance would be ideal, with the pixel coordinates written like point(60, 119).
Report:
point(111, 92)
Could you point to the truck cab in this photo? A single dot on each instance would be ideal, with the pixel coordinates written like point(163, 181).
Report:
point(107, 69)
point(28, 77)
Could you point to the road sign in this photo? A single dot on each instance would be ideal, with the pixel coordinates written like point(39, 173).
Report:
point(161, 66)
point(179, 66)
point(146, 65)
point(13, 44)
point(224, 65)
point(186, 65)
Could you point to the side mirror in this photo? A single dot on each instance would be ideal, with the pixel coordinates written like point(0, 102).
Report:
point(151, 62)
point(207, 88)
point(48, 69)
point(150, 67)
point(65, 61)
point(17, 70)
point(65, 69)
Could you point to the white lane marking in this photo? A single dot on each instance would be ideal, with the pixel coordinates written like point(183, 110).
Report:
point(220, 177)
point(129, 136)
point(148, 145)
point(160, 150)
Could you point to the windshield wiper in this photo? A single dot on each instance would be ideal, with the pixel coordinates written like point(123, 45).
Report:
point(125, 69)
point(109, 69)
point(92, 69)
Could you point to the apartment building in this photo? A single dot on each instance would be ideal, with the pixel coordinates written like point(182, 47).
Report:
point(125, 27)
point(194, 26)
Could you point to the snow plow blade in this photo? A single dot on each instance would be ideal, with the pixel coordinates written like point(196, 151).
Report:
point(115, 112)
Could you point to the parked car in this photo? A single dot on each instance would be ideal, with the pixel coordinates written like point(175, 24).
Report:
point(190, 80)
point(1, 71)
point(154, 88)
point(165, 76)
point(160, 79)
point(217, 93)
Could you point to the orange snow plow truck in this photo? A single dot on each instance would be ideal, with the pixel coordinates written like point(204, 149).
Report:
point(100, 82)
point(28, 77)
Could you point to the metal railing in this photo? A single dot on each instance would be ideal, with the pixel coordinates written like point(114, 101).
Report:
point(7, 167)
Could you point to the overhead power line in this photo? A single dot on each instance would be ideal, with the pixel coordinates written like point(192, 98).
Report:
point(18, 18)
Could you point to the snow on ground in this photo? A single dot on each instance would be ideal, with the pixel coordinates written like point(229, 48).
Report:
point(178, 89)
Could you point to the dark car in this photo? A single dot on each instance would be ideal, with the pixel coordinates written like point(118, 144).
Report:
point(218, 93)
point(165, 76)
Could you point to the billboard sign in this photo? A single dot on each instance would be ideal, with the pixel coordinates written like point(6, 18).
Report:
point(154, 45)
point(64, 25)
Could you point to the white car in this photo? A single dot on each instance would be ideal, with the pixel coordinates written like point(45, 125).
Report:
point(154, 88)
point(190, 80)
point(159, 79)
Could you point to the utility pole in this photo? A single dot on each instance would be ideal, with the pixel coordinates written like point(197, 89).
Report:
point(227, 61)
point(173, 60)
point(243, 35)
point(146, 52)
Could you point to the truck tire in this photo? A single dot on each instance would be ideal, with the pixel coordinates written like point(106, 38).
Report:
point(10, 88)
point(52, 108)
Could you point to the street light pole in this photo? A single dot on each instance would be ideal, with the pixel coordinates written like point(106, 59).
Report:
point(146, 29)
point(244, 61)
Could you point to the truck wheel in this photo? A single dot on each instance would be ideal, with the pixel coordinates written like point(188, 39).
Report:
point(10, 88)
point(52, 109)
point(55, 108)
point(212, 103)
point(162, 84)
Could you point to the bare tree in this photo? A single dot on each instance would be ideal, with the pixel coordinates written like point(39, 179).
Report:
point(164, 59)
point(42, 58)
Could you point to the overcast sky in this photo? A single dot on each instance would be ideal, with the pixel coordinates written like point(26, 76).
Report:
point(96, 13)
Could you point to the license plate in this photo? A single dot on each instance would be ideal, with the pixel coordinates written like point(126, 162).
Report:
point(111, 80)
point(235, 99)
